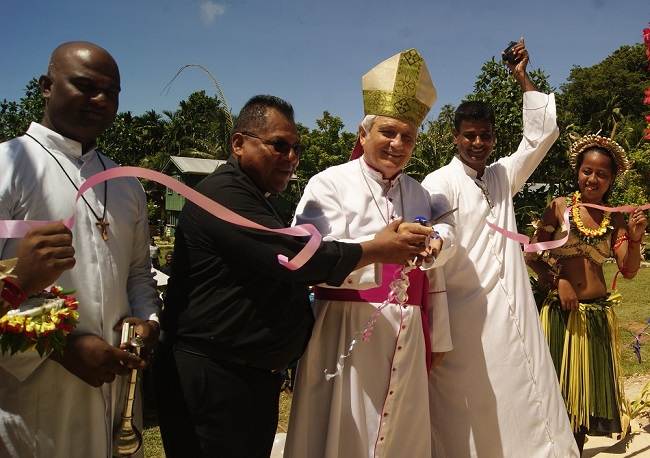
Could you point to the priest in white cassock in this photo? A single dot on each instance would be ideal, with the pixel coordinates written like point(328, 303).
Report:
point(496, 393)
point(68, 403)
point(355, 397)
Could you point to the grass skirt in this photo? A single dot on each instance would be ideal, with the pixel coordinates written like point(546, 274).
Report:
point(585, 351)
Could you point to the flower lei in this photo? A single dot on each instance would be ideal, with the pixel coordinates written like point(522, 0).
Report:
point(589, 236)
point(41, 323)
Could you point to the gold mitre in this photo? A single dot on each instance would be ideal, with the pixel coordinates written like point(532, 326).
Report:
point(399, 87)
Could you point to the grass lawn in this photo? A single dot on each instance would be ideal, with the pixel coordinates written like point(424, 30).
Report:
point(153, 447)
point(633, 315)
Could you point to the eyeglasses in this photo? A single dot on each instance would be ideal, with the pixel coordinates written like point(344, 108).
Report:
point(481, 184)
point(281, 146)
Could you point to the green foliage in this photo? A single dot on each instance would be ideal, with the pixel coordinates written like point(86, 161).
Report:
point(434, 146)
point(608, 98)
point(15, 117)
point(325, 146)
point(632, 188)
point(198, 129)
point(120, 141)
point(635, 407)
point(153, 211)
point(132, 139)
point(605, 95)
point(596, 97)
point(496, 86)
point(628, 191)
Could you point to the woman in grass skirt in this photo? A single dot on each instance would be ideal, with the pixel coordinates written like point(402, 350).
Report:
point(577, 312)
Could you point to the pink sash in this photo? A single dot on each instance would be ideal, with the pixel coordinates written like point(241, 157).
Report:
point(418, 294)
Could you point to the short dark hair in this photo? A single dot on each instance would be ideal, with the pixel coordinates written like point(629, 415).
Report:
point(473, 110)
point(252, 116)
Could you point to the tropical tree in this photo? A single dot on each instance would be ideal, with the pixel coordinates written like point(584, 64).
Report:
point(150, 128)
point(198, 128)
point(609, 93)
point(326, 146)
point(608, 98)
point(15, 117)
point(120, 141)
point(633, 188)
point(434, 146)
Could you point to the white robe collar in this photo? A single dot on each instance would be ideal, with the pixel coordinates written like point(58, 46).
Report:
point(377, 176)
point(470, 172)
point(54, 142)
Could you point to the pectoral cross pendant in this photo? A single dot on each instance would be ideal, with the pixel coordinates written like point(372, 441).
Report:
point(102, 225)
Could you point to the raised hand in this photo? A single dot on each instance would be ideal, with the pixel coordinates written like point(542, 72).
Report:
point(637, 224)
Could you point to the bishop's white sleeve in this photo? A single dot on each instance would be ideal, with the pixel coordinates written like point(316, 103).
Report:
point(320, 207)
point(446, 229)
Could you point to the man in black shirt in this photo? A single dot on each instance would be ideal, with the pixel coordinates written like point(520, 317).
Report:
point(234, 317)
point(166, 268)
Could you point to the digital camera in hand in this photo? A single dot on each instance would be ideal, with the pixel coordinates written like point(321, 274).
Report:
point(509, 56)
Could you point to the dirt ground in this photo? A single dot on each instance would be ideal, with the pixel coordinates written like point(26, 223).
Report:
point(633, 387)
point(637, 443)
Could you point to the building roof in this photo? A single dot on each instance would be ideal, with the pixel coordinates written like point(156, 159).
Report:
point(197, 166)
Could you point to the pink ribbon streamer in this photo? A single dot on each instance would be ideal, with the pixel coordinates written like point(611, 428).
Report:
point(17, 229)
point(542, 246)
point(398, 295)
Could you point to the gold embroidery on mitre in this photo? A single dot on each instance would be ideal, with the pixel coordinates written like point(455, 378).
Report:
point(399, 87)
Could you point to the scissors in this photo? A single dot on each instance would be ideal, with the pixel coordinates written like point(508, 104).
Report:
point(443, 216)
point(423, 221)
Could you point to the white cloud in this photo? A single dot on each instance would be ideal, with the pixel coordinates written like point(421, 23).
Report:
point(210, 9)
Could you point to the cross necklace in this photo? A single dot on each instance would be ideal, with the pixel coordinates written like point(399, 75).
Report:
point(101, 220)
point(372, 194)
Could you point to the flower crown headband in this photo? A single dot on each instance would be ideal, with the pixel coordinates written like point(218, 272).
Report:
point(593, 140)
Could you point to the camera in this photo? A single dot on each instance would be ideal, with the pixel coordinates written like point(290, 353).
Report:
point(509, 56)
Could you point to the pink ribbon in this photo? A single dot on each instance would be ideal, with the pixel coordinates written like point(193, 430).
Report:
point(542, 246)
point(17, 229)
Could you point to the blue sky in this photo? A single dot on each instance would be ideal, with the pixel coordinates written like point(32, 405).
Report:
point(310, 53)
